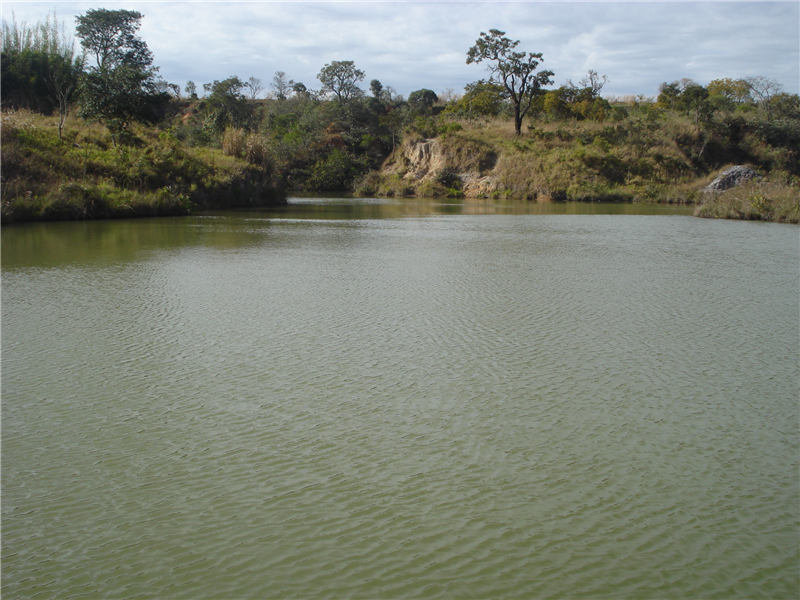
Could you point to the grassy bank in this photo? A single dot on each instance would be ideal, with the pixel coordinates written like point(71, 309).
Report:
point(641, 154)
point(765, 200)
point(84, 175)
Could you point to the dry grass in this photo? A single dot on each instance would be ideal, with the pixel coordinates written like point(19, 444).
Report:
point(84, 176)
point(756, 200)
point(642, 154)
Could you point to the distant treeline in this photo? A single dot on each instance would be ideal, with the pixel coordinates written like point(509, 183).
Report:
point(331, 137)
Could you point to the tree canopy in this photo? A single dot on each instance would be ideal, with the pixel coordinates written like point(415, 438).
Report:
point(110, 35)
point(122, 88)
point(341, 78)
point(421, 101)
point(227, 104)
point(515, 71)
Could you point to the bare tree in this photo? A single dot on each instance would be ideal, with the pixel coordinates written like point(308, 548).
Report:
point(254, 87)
point(449, 95)
point(281, 85)
point(62, 82)
point(764, 90)
point(594, 81)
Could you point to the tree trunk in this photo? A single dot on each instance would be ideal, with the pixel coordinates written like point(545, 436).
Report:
point(517, 120)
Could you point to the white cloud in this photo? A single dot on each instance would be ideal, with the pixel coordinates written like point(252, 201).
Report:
point(411, 45)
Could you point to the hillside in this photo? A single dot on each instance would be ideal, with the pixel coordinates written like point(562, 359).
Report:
point(84, 175)
point(647, 155)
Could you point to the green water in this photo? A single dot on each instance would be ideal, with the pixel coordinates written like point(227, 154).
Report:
point(375, 399)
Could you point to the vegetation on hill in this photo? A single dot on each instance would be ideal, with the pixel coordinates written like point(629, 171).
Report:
point(136, 145)
point(644, 152)
point(83, 175)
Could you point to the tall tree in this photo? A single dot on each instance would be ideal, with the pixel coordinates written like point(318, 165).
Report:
point(515, 71)
point(122, 88)
point(341, 78)
point(226, 105)
point(110, 35)
point(376, 87)
point(191, 89)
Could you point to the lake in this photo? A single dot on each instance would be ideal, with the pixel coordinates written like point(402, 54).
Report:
point(362, 398)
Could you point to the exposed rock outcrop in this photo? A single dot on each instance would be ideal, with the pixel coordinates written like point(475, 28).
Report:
point(429, 159)
point(477, 186)
point(730, 178)
point(425, 159)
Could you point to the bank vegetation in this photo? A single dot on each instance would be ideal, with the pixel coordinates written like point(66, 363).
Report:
point(99, 134)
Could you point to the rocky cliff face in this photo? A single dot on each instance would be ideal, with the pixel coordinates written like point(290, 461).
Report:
point(420, 161)
point(424, 158)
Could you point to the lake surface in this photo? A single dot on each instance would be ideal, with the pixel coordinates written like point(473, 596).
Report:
point(419, 399)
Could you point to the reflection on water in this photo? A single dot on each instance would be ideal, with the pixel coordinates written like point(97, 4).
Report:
point(330, 400)
point(387, 208)
point(108, 241)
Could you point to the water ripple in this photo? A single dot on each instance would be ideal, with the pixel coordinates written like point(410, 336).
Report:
point(446, 407)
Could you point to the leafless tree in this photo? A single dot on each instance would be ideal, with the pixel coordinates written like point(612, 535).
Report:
point(594, 81)
point(281, 85)
point(764, 90)
point(254, 87)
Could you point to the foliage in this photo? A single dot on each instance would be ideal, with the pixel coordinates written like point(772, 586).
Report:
point(515, 71)
point(119, 97)
point(336, 172)
point(572, 102)
point(341, 79)
point(647, 153)
point(376, 87)
point(110, 35)
point(226, 105)
point(122, 88)
point(38, 67)
point(84, 176)
point(729, 93)
point(578, 144)
point(421, 101)
point(481, 98)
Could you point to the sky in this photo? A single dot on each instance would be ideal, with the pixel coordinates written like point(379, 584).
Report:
point(412, 45)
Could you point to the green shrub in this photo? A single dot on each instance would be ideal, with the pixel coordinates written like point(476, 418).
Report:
point(448, 179)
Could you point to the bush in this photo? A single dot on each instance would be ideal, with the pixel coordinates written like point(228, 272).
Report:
point(335, 172)
point(448, 179)
point(234, 142)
